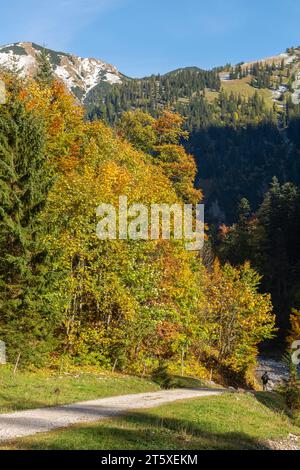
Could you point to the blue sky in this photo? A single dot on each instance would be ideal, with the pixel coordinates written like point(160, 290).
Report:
point(142, 37)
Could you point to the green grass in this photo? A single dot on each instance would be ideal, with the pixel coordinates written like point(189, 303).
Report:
point(231, 421)
point(26, 390)
point(211, 95)
point(191, 382)
point(244, 88)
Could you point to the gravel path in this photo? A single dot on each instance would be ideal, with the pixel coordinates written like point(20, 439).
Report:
point(29, 422)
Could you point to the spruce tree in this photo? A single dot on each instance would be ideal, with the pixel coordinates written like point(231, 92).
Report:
point(44, 74)
point(244, 212)
point(25, 322)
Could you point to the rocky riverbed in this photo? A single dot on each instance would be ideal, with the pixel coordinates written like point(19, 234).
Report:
point(277, 370)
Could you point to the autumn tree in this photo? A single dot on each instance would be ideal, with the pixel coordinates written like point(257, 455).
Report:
point(239, 318)
point(295, 327)
point(162, 138)
point(138, 128)
point(123, 304)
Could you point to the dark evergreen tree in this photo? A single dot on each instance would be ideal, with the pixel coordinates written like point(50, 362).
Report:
point(44, 74)
point(25, 319)
point(244, 212)
point(271, 241)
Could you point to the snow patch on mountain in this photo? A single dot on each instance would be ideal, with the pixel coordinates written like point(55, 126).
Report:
point(64, 75)
point(23, 63)
point(112, 78)
point(93, 71)
point(79, 74)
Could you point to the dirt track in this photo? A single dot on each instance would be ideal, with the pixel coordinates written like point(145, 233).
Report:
point(30, 422)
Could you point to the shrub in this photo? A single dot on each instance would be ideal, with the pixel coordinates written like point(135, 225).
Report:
point(162, 377)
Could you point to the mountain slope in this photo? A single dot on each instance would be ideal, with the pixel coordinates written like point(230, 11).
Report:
point(278, 75)
point(243, 120)
point(92, 79)
point(276, 80)
point(79, 74)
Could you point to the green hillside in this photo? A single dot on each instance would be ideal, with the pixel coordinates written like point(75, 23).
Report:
point(239, 119)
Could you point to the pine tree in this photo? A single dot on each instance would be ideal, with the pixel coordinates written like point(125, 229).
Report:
point(24, 185)
point(244, 211)
point(44, 74)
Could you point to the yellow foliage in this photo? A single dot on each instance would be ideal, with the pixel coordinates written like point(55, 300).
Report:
point(145, 301)
point(295, 326)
